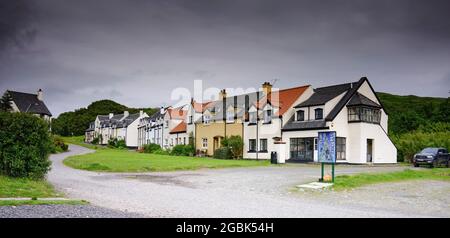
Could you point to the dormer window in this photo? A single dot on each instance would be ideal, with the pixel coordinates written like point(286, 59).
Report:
point(318, 113)
point(230, 117)
point(268, 116)
point(190, 119)
point(252, 117)
point(206, 119)
point(300, 115)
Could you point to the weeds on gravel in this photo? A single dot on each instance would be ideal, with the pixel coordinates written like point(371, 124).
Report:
point(42, 202)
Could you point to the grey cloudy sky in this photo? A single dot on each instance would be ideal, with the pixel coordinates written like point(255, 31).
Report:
point(136, 52)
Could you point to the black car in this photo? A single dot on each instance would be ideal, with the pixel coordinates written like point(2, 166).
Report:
point(433, 157)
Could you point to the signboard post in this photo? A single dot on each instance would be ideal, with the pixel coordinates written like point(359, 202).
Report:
point(327, 151)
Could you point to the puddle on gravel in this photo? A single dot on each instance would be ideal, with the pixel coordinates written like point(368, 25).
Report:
point(160, 179)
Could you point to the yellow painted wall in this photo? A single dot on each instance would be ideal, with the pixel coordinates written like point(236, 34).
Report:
point(214, 129)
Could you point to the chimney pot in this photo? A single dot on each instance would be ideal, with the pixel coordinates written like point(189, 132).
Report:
point(40, 95)
point(222, 94)
point(267, 88)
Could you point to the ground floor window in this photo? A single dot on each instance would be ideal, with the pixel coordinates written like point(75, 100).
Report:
point(340, 148)
point(252, 145)
point(204, 142)
point(302, 149)
point(263, 145)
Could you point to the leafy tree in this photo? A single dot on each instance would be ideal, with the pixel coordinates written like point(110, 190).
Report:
point(25, 144)
point(5, 102)
point(76, 122)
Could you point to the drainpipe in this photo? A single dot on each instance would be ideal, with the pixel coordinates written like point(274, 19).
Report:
point(257, 126)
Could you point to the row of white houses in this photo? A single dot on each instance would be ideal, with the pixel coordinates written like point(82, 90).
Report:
point(286, 121)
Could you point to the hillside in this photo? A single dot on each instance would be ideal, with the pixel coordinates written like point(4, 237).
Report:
point(74, 123)
point(408, 113)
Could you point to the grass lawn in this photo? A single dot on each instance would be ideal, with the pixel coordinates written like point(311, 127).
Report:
point(358, 180)
point(23, 187)
point(28, 188)
point(79, 140)
point(115, 160)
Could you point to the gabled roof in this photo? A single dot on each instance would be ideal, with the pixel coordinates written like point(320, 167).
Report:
point(282, 99)
point(200, 107)
point(177, 113)
point(103, 117)
point(30, 103)
point(361, 100)
point(238, 101)
point(180, 128)
point(325, 94)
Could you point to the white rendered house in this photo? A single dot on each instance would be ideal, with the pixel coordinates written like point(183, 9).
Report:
point(29, 103)
point(267, 117)
point(354, 111)
point(120, 126)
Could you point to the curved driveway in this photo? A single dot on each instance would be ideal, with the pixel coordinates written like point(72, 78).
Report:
point(236, 192)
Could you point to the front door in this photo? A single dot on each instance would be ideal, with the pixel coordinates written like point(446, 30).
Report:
point(369, 150)
point(302, 149)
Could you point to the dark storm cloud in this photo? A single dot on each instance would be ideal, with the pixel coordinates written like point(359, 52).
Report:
point(16, 18)
point(136, 52)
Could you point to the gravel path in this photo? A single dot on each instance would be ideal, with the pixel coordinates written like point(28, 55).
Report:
point(237, 192)
point(61, 211)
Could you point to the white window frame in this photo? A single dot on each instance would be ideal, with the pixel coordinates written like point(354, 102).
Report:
point(204, 143)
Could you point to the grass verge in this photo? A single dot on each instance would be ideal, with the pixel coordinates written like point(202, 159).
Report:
point(114, 160)
point(343, 182)
point(79, 140)
point(24, 187)
point(41, 202)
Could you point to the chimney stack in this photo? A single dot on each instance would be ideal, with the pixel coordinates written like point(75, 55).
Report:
point(141, 113)
point(40, 95)
point(111, 115)
point(161, 110)
point(267, 88)
point(222, 94)
point(126, 114)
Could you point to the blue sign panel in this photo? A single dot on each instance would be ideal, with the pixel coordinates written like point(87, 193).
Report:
point(327, 147)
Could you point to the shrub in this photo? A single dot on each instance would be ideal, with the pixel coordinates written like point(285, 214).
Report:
point(150, 148)
point(235, 144)
point(116, 143)
point(409, 144)
point(25, 144)
point(223, 153)
point(96, 140)
point(59, 145)
point(161, 152)
point(185, 150)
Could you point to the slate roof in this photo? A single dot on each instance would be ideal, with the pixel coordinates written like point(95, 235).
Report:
point(304, 125)
point(359, 99)
point(325, 94)
point(238, 101)
point(27, 102)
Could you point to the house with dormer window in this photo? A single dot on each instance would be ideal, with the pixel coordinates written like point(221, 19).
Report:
point(354, 112)
point(267, 116)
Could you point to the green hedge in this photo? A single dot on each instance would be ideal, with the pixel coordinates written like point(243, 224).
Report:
point(409, 144)
point(25, 144)
point(223, 153)
point(150, 148)
point(186, 150)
